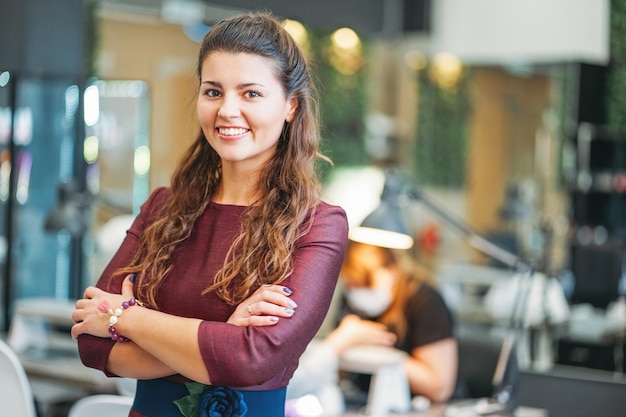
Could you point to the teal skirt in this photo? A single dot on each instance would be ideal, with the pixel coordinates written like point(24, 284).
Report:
point(155, 398)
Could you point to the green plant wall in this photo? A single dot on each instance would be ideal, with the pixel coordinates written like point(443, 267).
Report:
point(440, 147)
point(616, 79)
point(342, 103)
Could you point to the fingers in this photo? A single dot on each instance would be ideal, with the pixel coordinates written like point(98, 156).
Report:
point(379, 337)
point(270, 300)
point(273, 294)
point(76, 331)
point(279, 290)
point(91, 292)
point(262, 320)
point(263, 308)
point(128, 286)
point(355, 331)
point(245, 315)
point(77, 316)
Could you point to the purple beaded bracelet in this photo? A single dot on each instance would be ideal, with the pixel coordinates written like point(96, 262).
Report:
point(115, 314)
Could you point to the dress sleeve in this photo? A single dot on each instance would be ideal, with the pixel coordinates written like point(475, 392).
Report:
point(270, 354)
point(94, 351)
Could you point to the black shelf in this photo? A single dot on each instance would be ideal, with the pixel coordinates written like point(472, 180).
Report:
point(599, 189)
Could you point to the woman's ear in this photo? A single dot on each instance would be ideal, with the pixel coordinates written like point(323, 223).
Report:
point(293, 108)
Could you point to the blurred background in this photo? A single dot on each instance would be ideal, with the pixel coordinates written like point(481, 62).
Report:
point(510, 115)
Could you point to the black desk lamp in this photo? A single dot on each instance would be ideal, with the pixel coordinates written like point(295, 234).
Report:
point(385, 226)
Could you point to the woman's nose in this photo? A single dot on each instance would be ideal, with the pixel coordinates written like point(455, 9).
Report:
point(230, 107)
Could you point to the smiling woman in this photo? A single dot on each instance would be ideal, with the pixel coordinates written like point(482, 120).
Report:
point(243, 211)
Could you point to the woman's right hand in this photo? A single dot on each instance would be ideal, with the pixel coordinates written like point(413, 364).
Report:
point(264, 307)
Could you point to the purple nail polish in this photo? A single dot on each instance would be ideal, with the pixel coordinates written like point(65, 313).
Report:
point(132, 277)
point(287, 290)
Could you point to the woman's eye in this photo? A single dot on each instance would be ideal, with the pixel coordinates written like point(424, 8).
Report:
point(212, 93)
point(252, 94)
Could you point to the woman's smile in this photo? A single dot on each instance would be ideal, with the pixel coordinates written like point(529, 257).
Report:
point(232, 131)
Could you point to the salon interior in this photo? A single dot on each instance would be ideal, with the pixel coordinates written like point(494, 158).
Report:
point(496, 130)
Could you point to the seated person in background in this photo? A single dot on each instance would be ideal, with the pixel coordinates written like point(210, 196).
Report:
point(387, 301)
point(381, 287)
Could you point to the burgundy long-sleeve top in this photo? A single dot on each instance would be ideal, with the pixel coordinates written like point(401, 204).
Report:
point(252, 357)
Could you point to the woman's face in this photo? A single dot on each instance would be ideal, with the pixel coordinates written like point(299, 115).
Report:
point(242, 108)
point(366, 266)
point(369, 280)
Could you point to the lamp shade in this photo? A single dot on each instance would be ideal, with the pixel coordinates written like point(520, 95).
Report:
point(385, 226)
point(67, 214)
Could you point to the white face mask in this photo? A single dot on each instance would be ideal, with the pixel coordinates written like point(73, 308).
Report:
point(370, 302)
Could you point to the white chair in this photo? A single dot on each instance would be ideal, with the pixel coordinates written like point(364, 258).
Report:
point(16, 396)
point(102, 405)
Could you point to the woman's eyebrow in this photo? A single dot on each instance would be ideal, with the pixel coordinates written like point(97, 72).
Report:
point(239, 86)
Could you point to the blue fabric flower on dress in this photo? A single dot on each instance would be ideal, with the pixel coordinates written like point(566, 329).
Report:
point(211, 401)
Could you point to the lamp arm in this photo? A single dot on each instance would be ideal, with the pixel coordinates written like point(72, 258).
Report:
point(475, 240)
point(496, 252)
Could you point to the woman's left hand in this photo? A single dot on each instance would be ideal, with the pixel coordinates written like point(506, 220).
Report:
point(264, 307)
point(91, 315)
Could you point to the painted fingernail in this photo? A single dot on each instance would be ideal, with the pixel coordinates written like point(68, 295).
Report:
point(287, 290)
point(132, 277)
point(273, 319)
point(289, 311)
point(292, 304)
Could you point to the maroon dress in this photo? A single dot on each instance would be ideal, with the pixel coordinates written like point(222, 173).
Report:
point(256, 358)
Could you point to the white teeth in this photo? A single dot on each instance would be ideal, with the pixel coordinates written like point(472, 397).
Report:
point(232, 131)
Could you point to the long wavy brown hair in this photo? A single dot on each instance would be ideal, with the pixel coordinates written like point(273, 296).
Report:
point(288, 184)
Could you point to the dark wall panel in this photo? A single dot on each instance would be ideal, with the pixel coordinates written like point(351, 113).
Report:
point(43, 37)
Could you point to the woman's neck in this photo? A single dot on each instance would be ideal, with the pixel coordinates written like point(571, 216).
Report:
point(237, 189)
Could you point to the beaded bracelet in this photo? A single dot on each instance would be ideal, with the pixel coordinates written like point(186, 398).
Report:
point(115, 314)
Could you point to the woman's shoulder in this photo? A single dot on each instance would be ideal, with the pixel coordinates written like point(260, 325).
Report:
point(328, 214)
point(427, 289)
point(327, 222)
point(160, 193)
point(156, 201)
point(426, 296)
point(330, 209)
point(157, 198)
